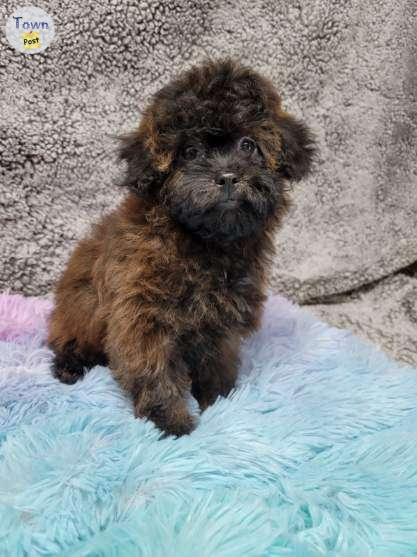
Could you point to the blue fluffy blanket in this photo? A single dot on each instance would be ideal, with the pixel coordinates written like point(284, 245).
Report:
point(314, 454)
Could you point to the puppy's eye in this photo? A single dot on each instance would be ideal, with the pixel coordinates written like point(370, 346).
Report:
point(247, 145)
point(190, 153)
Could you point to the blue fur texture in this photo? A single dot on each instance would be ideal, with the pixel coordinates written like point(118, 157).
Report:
point(315, 453)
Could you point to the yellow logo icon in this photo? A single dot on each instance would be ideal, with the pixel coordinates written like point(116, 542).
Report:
point(31, 40)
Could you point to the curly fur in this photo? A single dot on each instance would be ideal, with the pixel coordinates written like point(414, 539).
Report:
point(166, 286)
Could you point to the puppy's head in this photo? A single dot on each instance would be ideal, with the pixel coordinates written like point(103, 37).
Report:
point(215, 148)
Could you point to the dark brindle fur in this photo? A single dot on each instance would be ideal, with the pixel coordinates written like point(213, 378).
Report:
point(166, 286)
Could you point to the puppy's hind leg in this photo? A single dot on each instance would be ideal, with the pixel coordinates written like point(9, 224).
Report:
point(76, 330)
point(70, 364)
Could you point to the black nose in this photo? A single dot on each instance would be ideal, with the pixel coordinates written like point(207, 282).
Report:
point(226, 181)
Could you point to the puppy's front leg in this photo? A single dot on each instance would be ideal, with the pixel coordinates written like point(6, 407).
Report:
point(143, 359)
point(214, 368)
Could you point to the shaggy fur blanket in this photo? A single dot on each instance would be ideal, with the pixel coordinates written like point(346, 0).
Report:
point(315, 453)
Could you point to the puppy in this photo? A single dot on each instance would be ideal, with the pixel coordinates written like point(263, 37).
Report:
point(165, 287)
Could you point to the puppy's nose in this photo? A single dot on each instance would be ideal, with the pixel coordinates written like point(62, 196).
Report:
point(227, 180)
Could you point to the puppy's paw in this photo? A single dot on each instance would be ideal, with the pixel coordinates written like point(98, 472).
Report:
point(178, 427)
point(174, 419)
point(205, 401)
point(67, 376)
point(206, 395)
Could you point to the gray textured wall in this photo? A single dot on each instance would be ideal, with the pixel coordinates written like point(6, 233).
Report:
point(347, 67)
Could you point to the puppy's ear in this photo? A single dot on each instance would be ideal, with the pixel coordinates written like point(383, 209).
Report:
point(140, 176)
point(298, 147)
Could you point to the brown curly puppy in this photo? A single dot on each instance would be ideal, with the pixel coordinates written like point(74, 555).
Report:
point(166, 286)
